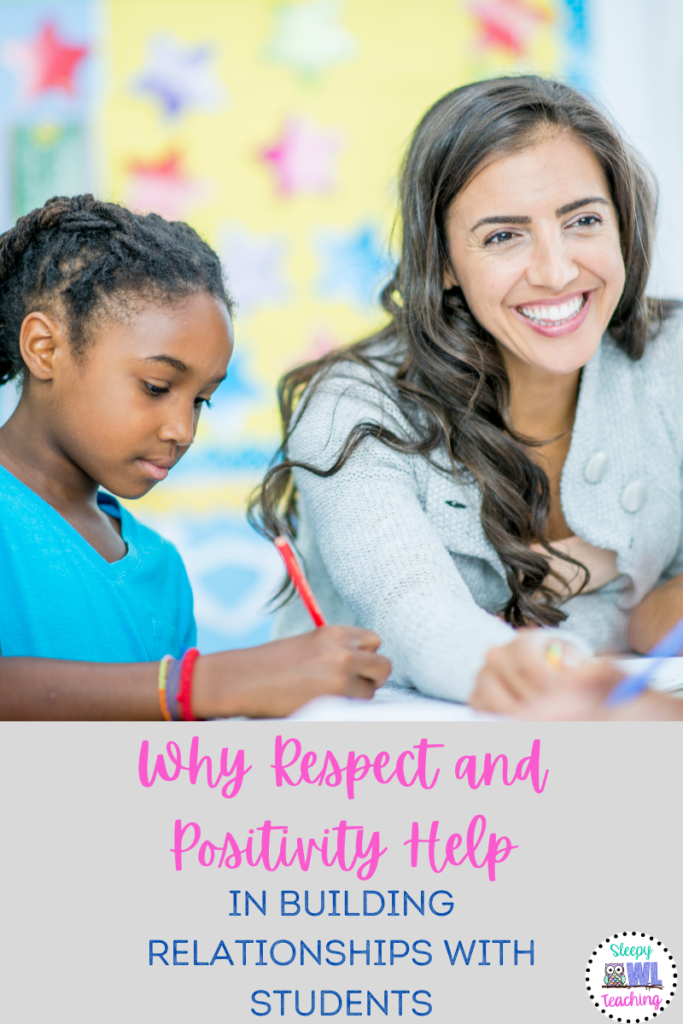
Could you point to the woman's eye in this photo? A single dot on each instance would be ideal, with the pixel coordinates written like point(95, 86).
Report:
point(587, 221)
point(499, 238)
point(155, 389)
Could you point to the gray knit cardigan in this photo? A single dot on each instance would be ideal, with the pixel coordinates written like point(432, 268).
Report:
point(391, 543)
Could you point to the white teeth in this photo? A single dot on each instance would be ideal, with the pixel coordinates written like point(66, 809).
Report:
point(547, 316)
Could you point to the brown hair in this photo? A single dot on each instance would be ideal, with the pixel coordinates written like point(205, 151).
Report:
point(450, 370)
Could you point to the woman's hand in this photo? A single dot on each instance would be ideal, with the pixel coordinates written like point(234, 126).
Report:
point(580, 695)
point(656, 615)
point(275, 679)
point(519, 680)
point(521, 671)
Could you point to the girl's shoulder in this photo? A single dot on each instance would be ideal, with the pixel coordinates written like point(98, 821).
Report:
point(149, 544)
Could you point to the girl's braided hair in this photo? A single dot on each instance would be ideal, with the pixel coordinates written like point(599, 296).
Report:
point(79, 256)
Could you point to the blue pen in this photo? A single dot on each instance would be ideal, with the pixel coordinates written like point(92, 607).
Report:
point(631, 686)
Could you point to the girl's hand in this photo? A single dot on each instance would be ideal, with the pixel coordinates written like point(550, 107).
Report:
point(273, 680)
point(521, 671)
point(261, 682)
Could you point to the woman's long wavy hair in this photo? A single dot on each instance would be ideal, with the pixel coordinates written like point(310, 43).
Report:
point(450, 377)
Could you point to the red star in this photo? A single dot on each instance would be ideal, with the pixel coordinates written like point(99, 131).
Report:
point(163, 186)
point(167, 167)
point(508, 24)
point(50, 63)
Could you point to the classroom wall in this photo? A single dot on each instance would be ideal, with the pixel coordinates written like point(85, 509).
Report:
point(637, 71)
point(277, 129)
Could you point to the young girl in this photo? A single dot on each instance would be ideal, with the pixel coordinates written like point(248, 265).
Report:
point(118, 326)
point(508, 450)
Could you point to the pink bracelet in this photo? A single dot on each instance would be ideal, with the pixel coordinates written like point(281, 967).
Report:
point(185, 689)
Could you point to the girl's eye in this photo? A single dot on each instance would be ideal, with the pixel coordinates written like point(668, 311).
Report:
point(154, 389)
point(202, 401)
point(499, 238)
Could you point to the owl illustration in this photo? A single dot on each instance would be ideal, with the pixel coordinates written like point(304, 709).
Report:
point(614, 975)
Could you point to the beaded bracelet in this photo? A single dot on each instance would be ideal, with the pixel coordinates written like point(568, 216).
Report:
point(185, 692)
point(164, 666)
point(172, 689)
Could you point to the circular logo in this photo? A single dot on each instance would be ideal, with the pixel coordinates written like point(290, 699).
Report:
point(631, 977)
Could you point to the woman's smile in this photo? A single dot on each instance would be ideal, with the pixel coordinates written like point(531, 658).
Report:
point(556, 317)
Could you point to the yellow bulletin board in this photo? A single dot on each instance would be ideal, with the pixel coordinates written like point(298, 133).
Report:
point(277, 130)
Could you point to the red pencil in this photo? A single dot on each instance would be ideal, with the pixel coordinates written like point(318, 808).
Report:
point(299, 580)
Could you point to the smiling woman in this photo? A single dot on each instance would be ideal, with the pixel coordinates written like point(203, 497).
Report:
point(507, 451)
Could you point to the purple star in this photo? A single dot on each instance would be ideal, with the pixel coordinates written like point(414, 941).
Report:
point(180, 76)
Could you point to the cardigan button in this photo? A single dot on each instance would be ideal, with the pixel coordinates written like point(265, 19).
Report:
point(633, 496)
point(596, 467)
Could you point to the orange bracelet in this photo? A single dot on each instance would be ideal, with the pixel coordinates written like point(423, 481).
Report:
point(164, 666)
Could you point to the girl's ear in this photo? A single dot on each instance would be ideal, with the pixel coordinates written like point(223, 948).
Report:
point(39, 341)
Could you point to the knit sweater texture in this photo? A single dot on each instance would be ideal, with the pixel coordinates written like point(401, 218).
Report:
point(393, 544)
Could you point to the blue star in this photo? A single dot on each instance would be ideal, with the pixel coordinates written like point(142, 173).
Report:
point(180, 76)
point(354, 264)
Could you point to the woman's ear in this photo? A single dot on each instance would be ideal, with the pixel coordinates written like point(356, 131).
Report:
point(449, 280)
point(40, 340)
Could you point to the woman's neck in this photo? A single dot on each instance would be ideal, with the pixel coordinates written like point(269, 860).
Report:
point(542, 404)
point(542, 408)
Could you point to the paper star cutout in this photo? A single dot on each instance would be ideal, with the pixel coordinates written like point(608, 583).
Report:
point(309, 37)
point(253, 266)
point(354, 265)
point(181, 77)
point(304, 159)
point(45, 63)
point(508, 24)
point(162, 186)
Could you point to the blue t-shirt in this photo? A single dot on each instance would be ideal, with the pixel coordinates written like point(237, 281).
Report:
point(60, 599)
